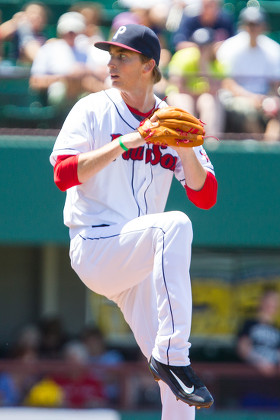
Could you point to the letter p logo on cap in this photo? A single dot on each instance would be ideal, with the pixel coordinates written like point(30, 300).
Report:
point(120, 31)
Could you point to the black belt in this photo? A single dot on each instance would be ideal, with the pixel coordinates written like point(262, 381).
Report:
point(103, 225)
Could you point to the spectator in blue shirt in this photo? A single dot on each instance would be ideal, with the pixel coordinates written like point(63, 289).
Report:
point(210, 15)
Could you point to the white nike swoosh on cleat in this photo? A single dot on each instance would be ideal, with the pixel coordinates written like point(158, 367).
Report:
point(184, 387)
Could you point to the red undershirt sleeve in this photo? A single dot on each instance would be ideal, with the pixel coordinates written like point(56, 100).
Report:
point(66, 172)
point(66, 176)
point(207, 196)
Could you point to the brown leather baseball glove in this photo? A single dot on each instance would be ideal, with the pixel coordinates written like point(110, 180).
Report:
point(172, 126)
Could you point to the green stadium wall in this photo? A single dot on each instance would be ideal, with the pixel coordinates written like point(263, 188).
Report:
point(246, 214)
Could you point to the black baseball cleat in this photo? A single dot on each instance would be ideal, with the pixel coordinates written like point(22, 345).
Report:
point(183, 382)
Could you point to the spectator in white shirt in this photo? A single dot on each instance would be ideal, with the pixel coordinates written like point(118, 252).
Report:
point(253, 59)
point(61, 68)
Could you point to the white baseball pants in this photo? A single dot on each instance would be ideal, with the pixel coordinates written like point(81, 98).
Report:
point(143, 266)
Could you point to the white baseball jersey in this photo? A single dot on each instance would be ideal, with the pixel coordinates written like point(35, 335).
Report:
point(123, 245)
point(116, 194)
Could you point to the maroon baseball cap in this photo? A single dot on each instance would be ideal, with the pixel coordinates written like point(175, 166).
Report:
point(137, 38)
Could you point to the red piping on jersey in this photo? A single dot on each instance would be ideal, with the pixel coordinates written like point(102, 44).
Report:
point(141, 114)
point(66, 172)
point(207, 196)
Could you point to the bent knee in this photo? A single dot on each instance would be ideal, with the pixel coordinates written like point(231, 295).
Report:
point(180, 219)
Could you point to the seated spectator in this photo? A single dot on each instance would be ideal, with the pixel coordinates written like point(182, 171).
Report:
point(25, 32)
point(92, 13)
point(99, 354)
point(81, 389)
point(210, 15)
point(45, 393)
point(147, 4)
point(60, 66)
point(195, 77)
point(96, 59)
point(155, 13)
point(14, 384)
point(27, 344)
point(250, 94)
point(177, 8)
point(11, 393)
point(258, 340)
point(52, 338)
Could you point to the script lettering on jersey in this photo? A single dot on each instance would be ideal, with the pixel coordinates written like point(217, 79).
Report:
point(203, 153)
point(154, 155)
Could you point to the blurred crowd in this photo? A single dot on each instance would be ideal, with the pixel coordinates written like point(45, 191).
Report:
point(44, 366)
point(223, 68)
point(74, 383)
